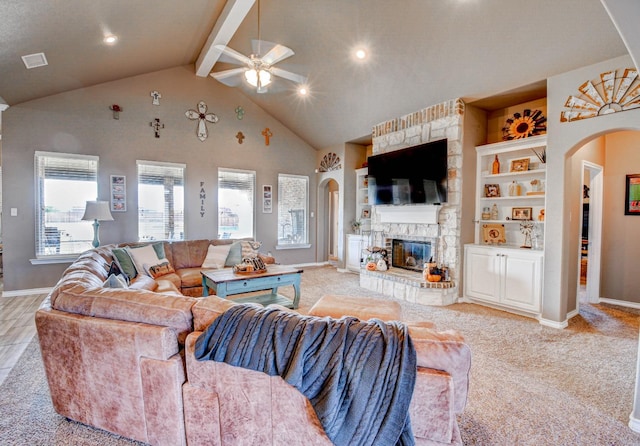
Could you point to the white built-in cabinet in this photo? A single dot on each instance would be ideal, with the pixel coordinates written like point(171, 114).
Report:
point(510, 278)
point(355, 245)
point(500, 271)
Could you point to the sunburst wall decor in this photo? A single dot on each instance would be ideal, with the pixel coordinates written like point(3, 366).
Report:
point(330, 162)
point(524, 125)
point(614, 91)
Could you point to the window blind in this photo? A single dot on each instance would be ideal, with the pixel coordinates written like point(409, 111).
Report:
point(236, 203)
point(160, 201)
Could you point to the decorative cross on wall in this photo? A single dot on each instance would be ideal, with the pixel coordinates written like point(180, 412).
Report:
point(240, 137)
point(202, 116)
point(156, 97)
point(267, 134)
point(157, 125)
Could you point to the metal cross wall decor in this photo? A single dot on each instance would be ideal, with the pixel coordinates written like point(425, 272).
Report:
point(157, 125)
point(203, 117)
point(267, 134)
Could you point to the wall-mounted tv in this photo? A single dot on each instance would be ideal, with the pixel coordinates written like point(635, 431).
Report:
point(415, 175)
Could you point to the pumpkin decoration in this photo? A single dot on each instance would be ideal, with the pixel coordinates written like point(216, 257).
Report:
point(371, 266)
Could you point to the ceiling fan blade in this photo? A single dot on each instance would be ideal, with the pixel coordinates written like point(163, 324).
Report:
point(271, 52)
point(298, 78)
point(232, 77)
point(234, 55)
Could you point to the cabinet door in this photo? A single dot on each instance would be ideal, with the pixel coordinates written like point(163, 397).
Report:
point(482, 274)
point(522, 281)
point(354, 248)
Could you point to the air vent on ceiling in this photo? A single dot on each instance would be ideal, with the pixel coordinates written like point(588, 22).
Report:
point(34, 60)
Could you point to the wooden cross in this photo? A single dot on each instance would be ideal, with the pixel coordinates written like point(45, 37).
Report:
point(156, 97)
point(240, 137)
point(156, 126)
point(202, 116)
point(267, 134)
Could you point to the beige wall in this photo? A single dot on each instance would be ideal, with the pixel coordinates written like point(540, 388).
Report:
point(80, 121)
point(620, 278)
point(497, 119)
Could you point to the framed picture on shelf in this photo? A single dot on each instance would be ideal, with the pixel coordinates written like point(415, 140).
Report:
point(493, 233)
point(521, 213)
point(632, 195)
point(521, 165)
point(118, 191)
point(365, 213)
point(491, 190)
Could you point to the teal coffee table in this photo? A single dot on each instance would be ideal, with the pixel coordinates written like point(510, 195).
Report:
point(226, 283)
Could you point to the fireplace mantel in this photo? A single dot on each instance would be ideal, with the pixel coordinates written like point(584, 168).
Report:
point(416, 213)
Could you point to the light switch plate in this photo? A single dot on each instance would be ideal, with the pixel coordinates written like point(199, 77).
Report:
point(14, 212)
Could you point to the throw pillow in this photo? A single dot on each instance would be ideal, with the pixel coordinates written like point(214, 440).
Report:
point(115, 269)
point(250, 249)
point(124, 262)
point(216, 256)
point(146, 257)
point(235, 254)
point(161, 269)
point(115, 281)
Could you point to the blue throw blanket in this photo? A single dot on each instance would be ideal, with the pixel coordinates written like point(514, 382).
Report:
point(358, 376)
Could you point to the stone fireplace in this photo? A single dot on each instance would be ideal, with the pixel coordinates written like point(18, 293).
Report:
point(427, 230)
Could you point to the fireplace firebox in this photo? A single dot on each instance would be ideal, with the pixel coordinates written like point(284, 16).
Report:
point(410, 254)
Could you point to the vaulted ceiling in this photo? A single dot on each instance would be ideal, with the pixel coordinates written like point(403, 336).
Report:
point(420, 52)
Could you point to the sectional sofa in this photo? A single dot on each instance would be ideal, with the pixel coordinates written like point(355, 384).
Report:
point(121, 359)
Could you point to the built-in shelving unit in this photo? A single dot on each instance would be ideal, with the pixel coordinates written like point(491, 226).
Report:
point(363, 208)
point(502, 269)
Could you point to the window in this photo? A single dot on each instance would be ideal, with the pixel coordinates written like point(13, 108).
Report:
point(293, 204)
point(160, 201)
point(236, 199)
point(64, 183)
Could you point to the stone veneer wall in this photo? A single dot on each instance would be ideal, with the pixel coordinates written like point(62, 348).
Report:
point(444, 120)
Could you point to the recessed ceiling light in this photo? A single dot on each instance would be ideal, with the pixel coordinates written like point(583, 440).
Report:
point(302, 91)
point(34, 60)
point(361, 54)
point(110, 40)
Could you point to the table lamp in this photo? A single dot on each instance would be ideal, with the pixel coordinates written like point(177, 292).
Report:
point(97, 211)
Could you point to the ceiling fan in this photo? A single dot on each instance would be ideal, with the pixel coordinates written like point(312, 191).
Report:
point(258, 69)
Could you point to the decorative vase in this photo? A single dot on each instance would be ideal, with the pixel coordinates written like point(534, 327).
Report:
point(495, 168)
point(494, 212)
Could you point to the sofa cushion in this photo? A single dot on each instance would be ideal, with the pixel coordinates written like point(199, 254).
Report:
point(190, 277)
point(216, 256)
point(124, 262)
point(148, 260)
point(189, 253)
point(115, 281)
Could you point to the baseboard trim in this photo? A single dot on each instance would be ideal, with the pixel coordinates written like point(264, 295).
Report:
point(303, 265)
point(573, 313)
point(621, 303)
point(634, 423)
point(15, 293)
point(553, 324)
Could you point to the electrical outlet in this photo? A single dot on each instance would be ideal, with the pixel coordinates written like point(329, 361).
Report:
point(14, 212)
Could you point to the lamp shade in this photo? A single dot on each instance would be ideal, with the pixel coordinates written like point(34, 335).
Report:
point(97, 210)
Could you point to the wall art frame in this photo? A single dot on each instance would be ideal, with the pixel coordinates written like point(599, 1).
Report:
point(118, 193)
point(491, 190)
point(632, 194)
point(267, 199)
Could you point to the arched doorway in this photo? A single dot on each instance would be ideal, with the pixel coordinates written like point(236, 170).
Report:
point(329, 226)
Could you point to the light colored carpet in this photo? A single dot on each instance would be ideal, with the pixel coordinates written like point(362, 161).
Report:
point(530, 384)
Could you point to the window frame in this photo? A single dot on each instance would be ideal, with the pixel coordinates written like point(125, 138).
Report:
point(160, 165)
point(254, 210)
point(304, 243)
point(40, 224)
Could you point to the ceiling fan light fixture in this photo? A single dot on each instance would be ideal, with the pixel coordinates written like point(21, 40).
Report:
point(257, 78)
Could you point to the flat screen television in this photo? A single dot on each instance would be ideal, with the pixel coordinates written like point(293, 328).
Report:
point(415, 175)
